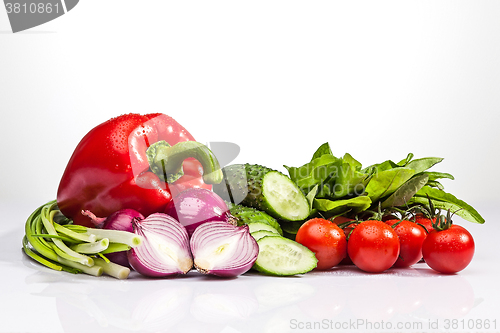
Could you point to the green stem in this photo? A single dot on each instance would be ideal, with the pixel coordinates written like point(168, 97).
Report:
point(49, 227)
point(33, 226)
point(116, 247)
point(166, 161)
point(38, 258)
point(112, 269)
point(117, 236)
point(76, 235)
point(92, 270)
point(91, 248)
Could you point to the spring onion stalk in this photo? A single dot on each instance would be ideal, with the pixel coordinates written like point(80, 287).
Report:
point(112, 269)
point(116, 247)
point(74, 248)
point(103, 257)
point(75, 235)
point(91, 248)
point(117, 236)
point(38, 258)
point(71, 255)
point(92, 270)
point(63, 238)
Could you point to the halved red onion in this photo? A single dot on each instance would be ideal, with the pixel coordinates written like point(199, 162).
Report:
point(195, 206)
point(222, 249)
point(165, 250)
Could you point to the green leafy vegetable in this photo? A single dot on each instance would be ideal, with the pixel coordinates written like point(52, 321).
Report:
point(384, 183)
point(356, 204)
point(405, 192)
point(422, 164)
point(444, 200)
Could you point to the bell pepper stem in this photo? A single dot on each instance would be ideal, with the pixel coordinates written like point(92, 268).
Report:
point(166, 161)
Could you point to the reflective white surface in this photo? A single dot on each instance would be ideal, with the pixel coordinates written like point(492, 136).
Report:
point(37, 299)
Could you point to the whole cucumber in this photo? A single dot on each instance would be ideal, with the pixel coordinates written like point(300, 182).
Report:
point(265, 189)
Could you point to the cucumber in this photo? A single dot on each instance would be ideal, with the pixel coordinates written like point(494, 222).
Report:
point(283, 257)
point(265, 189)
point(261, 233)
point(257, 226)
point(245, 215)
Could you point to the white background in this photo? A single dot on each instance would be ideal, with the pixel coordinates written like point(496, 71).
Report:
point(377, 79)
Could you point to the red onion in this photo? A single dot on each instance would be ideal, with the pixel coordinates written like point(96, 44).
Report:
point(196, 206)
point(222, 249)
point(119, 220)
point(165, 250)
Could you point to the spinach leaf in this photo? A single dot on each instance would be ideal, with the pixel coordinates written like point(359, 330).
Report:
point(406, 160)
point(349, 181)
point(384, 183)
point(324, 149)
point(386, 165)
point(291, 227)
point(406, 191)
point(351, 161)
point(311, 195)
point(422, 164)
point(435, 183)
point(355, 205)
point(444, 200)
point(439, 175)
point(315, 172)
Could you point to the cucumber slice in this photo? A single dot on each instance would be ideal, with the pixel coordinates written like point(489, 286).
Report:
point(265, 189)
point(282, 198)
point(257, 226)
point(262, 233)
point(283, 257)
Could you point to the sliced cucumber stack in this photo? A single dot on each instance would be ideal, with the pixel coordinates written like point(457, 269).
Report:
point(262, 233)
point(247, 215)
point(258, 226)
point(283, 257)
point(265, 189)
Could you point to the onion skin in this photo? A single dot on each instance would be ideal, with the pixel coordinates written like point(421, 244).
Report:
point(222, 249)
point(119, 220)
point(195, 206)
point(165, 251)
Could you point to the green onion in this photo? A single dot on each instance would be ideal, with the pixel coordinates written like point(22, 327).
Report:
point(112, 269)
point(65, 247)
point(91, 248)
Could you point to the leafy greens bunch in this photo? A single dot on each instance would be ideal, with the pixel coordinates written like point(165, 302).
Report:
point(341, 186)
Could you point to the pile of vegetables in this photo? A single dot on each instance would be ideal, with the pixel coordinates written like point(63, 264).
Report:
point(139, 193)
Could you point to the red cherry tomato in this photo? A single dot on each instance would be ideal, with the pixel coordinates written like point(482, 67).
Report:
point(373, 246)
point(325, 239)
point(411, 236)
point(450, 250)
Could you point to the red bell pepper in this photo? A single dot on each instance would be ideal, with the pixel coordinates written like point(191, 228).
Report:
point(133, 161)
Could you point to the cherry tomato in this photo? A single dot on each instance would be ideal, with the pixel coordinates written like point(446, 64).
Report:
point(325, 239)
point(411, 236)
point(450, 250)
point(373, 246)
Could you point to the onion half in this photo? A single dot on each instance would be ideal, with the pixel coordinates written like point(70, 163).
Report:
point(222, 249)
point(165, 250)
